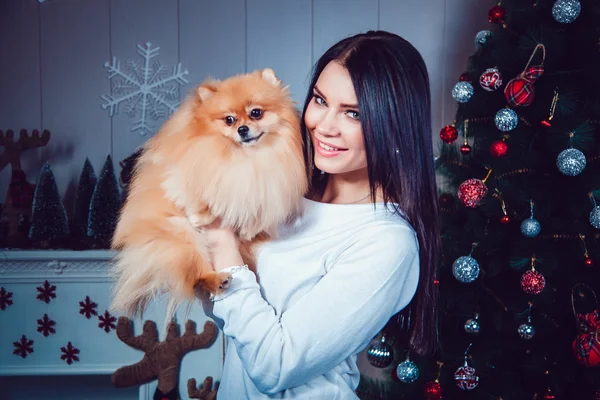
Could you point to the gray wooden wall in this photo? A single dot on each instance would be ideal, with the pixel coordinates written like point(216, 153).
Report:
point(52, 73)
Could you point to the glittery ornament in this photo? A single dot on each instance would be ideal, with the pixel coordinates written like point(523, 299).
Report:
point(481, 38)
point(472, 191)
point(491, 79)
point(407, 371)
point(498, 148)
point(566, 11)
point(497, 14)
point(571, 162)
point(595, 217)
point(462, 91)
point(380, 354)
point(433, 391)
point(465, 148)
point(532, 282)
point(472, 326)
point(448, 134)
point(530, 227)
point(526, 331)
point(465, 269)
point(506, 119)
point(465, 377)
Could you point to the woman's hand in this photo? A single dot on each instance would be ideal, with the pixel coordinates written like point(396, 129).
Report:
point(224, 246)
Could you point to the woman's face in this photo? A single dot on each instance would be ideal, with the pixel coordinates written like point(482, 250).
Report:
point(333, 122)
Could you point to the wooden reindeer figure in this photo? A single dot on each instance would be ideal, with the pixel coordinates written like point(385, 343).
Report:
point(161, 359)
point(20, 192)
point(204, 392)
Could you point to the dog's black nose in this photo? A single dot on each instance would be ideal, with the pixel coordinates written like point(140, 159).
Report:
point(243, 130)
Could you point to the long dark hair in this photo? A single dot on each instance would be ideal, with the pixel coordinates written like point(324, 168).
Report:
point(392, 87)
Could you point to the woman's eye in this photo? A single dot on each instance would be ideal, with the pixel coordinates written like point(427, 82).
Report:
point(353, 114)
point(256, 113)
point(319, 100)
point(229, 120)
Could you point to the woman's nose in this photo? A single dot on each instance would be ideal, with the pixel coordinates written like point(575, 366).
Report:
point(327, 125)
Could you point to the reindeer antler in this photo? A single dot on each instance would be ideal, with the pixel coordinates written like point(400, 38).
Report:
point(12, 150)
point(204, 392)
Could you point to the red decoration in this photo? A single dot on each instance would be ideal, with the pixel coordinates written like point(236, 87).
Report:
point(448, 134)
point(465, 378)
point(471, 192)
point(546, 123)
point(464, 77)
point(505, 219)
point(532, 282)
point(433, 391)
point(499, 148)
point(107, 322)
point(588, 262)
point(491, 79)
point(497, 14)
point(87, 307)
point(46, 325)
point(465, 149)
point(69, 353)
point(46, 292)
point(5, 299)
point(24, 347)
point(586, 346)
point(520, 91)
point(549, 395)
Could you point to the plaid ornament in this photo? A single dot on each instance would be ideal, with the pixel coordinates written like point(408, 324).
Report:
point(519, 92)
point(586, 346)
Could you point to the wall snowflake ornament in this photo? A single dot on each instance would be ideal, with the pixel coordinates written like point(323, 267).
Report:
point(23, 347)
point(5, 299)
point(145, 88)
point(46, 326)
point(87, 307)
point(107, 322)
point(46, 292)
point(69, 353)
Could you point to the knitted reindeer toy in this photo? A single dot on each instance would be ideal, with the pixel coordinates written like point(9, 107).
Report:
point(204, 392)
point(161, 359)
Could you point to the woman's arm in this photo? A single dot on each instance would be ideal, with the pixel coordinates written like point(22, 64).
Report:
point(371, 281)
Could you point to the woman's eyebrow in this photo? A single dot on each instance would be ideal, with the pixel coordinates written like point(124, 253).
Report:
point(341, 105)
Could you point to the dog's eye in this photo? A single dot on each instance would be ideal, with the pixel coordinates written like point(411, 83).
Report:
point(256, 113)
point(229, 120)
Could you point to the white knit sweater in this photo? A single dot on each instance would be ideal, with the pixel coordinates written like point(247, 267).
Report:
point(328, 285)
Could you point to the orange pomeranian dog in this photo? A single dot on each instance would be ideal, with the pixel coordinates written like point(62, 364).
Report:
point(232, 150)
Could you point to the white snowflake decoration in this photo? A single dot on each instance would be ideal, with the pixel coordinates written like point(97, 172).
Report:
point(144, 88)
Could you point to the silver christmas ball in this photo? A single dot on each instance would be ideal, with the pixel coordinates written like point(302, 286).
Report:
point(566, 11)
point(407, 371)
point(571, 162)
point(526, 331)
point(472, 326)
point(462, 91)
point(595, 217)
point(465, 269)
point(481, 38)
point(530, 227)
point(380, 354)
point(506, 119)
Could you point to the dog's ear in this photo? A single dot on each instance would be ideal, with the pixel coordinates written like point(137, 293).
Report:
point(206, 90)
point(269, 75)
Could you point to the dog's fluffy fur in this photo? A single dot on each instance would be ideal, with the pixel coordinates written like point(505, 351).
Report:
point(199, 167)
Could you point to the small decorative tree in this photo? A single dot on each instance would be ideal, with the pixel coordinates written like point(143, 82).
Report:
point(105, 206)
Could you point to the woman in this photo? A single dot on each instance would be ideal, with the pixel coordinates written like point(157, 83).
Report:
point(366, 247)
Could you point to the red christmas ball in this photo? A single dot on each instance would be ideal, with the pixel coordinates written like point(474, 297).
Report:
point(433, 391)
point(549, 395)
point(586, 346)
point(497, 15)
point(465, 149)
point(505, 220)
point(519, 92)
point(532, 282)
point(588, 262)
point(499, 148)
point(491, 79)
point(471, 192)
point(448, 134)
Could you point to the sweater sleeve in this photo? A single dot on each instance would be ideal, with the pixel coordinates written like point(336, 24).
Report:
point(370, 281)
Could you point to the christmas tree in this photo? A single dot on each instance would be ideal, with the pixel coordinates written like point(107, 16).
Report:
point(519, 173)
point(83, 197)
point(49, 223)
point(105, 206)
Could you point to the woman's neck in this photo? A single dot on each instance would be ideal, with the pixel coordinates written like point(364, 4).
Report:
point(349, 189)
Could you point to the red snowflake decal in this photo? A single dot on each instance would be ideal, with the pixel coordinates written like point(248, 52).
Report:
point(69, 353)
point(46, 292)
point(5, 299)
point(24, 347)
point(88, 307)
point(107, 322)
point(46, 325)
